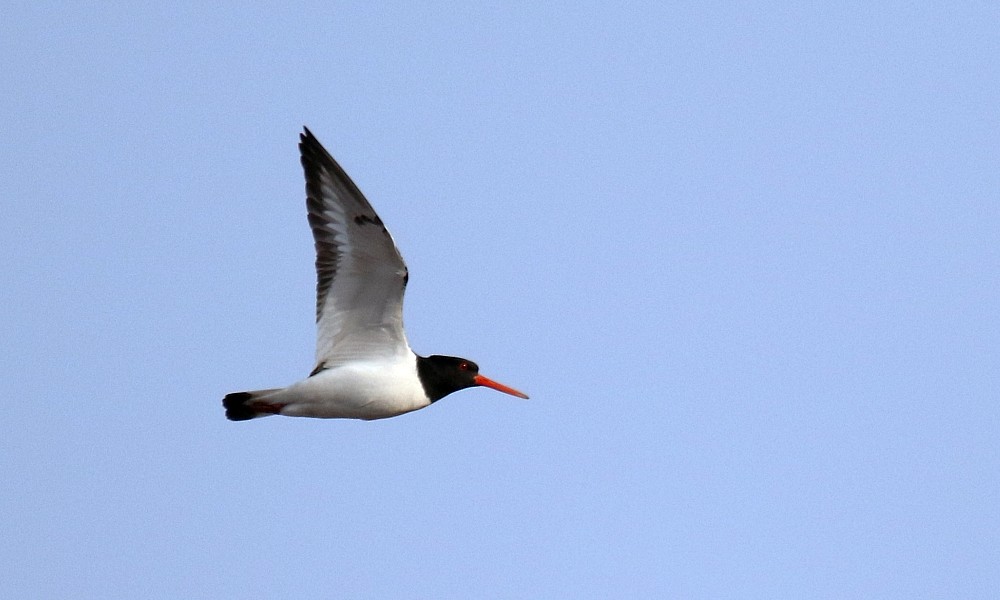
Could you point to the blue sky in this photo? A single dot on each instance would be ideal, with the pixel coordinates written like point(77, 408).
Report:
point(743, 258)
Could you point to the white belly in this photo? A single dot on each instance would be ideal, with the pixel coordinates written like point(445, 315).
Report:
point(362, 391)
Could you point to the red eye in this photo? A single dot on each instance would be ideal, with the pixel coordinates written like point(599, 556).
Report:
point(464, 366)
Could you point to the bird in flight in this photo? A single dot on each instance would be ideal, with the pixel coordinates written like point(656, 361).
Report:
point(365, 368)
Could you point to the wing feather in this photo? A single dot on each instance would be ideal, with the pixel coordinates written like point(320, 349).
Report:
point(360, 275)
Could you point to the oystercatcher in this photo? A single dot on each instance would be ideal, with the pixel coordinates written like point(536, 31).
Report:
point(365, 368)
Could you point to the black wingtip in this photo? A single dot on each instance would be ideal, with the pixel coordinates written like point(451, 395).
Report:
point(314, 155)
point(237, 408)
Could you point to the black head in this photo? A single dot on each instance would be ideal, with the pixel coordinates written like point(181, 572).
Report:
point(442, 375)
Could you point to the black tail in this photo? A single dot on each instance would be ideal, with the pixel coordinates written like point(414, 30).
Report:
point(238, 407)
point(243, 406)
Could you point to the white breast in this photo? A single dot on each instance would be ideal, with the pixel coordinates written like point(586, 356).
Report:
point(359, 390)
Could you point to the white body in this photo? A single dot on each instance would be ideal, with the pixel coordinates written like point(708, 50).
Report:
point(358, 390)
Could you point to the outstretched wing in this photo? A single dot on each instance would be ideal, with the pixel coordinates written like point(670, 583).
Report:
point(360, 274)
